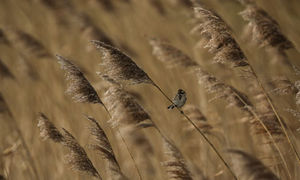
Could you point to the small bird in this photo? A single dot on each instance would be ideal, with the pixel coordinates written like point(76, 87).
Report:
point(179, 100)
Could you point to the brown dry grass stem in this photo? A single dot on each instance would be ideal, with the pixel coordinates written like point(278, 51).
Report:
point(82, 91)
point(77, 158)
point(102, 145)
point(172, 56)
point(176, 165)
point(21, 136)
point(250, 168)
point(122, 69)
point(220, 41)
point(126, 145)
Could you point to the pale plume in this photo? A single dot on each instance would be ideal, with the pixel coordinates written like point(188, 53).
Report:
point(77, 158)
point(265, 30)
point(248, 167)
point(102, 144)
point(218, 38)
point(119, 66)
point(48, 129)
point(175, 164)
point(79, 87)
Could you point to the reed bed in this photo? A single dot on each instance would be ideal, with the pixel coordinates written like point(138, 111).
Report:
point(85, 86)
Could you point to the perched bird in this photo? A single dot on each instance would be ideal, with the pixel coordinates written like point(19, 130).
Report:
point(179, 100)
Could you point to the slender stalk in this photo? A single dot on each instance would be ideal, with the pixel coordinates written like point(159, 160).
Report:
point(267, 130)
point(126, 145)
point(277, 115)
point(202, 134)
point(29, 156)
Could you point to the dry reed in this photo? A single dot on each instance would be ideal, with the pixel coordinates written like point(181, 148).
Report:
point(175, 164)
point(102, 145)
point(82, 90)
point(125, 109)
point(48, 129)
point(250, 168)
point(5, 109)
point(264, 29)
point(27, 43)
point(79, 87)
point(88, 27)
point(77, 158)
point(119, 66)
point(220, 41)
point(261, 120)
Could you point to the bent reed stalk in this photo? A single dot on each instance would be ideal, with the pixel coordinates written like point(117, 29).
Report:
point(124, 70)
point(221, 42)
point(172, 56)
point(20, 134)
point(81, 90)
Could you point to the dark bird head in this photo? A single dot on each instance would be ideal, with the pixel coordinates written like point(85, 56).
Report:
point(180, 91)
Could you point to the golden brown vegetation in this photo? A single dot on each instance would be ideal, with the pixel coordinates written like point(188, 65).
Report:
point(236, 59)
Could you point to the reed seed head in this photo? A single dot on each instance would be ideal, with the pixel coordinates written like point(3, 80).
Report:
point(77, 158)
point(79, 87)
point(48, 129)
point(248, 167)
point(119, 66)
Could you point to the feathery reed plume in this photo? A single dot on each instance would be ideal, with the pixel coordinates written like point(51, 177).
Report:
point(249, 168)
point(82, 90)
point(103, 145)
point(87, 26)
point(130, 118)
point(125, 109)
point(218, 33)
point(119, 66)
point(218, 39)
point(79, 87)
point(5, 72)
point(170, 55)
point(198, 118)
point(194, 113)
point(27, 43)
point(175, 165)
point(222, 90)
point(48, 130)
point(219, 36)
point(265, 30)
point(265, 113)
point(77, 159)
point(282, 86)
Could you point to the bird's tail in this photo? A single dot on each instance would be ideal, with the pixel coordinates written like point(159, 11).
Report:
point(171, 106)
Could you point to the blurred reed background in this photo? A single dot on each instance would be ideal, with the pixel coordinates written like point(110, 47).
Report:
point(237, 60)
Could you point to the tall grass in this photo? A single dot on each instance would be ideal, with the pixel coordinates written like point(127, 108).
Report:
point(236, 60)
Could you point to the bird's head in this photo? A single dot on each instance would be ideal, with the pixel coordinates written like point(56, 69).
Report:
point(180, 91)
